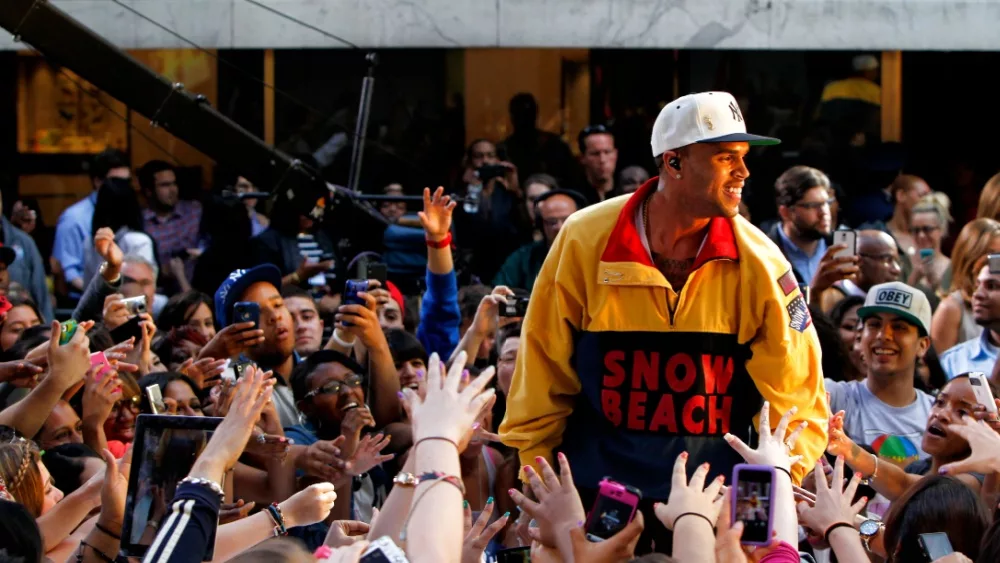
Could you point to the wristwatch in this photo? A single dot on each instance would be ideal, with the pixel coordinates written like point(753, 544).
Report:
point(104, 266)
point(868, 530)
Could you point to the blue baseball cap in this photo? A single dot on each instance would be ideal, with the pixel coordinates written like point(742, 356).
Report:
point(230, 291)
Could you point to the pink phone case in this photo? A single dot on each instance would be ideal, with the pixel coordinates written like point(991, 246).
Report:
point(757, 496)
point(97, 359)
point(617, 493)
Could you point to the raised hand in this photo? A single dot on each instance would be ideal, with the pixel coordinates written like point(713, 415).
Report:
point(478, 535)
point(693, 497)
point(833, 269)
point(323, 460)
point(232, 341)
point(558, 508)
point(250, 395)
point(99, 396)
point(205, 372)
point(833, 501)
point(985, 446)
point(20, 373)
point(107, 249)
point(840, 444)
point(113, 491)
point(445, 412)
point(489, 309)
point(68, 364)
point(772, 449)
point(368, 454)
point(308, 506)
point(361, 321)
point(346, 532)
point(436, 216)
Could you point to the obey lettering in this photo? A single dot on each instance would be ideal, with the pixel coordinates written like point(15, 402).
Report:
point(894, 297)
point(667, 392)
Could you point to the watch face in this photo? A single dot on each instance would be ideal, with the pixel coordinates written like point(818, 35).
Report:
point(869, 527)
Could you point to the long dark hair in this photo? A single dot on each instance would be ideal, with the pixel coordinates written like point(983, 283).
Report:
point(935, 504)
point(117, 206)
point(19, 534)
point(176, 312)
point(65, 464)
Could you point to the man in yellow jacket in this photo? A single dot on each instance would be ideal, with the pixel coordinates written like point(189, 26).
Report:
point(662, 320)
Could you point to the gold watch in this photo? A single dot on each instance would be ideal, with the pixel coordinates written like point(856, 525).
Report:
point(104, 267)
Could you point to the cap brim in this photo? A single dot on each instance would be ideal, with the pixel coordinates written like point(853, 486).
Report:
point(754, 140)
point(865, 312)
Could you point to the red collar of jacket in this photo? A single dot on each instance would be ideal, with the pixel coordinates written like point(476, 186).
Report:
point(625, 243)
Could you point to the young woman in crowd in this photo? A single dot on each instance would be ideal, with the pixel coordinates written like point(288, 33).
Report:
point(23, 314)
point(929, 223)
point(952, 322)
point(187, 324)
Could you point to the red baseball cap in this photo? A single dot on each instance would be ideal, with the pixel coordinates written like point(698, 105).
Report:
point(396, 296)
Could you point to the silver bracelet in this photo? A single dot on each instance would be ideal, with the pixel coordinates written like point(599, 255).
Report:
point(207, 483)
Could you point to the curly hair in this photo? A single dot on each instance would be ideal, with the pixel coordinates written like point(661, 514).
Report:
point(19, 469)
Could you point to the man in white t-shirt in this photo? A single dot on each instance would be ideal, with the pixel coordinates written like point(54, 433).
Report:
point(884, 410)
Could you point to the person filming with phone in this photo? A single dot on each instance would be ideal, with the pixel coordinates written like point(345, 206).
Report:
point(667, 321)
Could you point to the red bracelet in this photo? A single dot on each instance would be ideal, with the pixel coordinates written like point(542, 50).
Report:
point(443, 243)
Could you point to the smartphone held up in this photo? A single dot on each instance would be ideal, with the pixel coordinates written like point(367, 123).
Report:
point(752, 504)
point(614, 508)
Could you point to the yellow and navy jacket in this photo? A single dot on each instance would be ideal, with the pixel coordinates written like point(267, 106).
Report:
point(621, 373)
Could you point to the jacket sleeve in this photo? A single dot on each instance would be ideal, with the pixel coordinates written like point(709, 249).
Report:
point(785, 364)
point(91, 304)
point(69, 246)
point(440, 316)
point(545, 383)
point(187, 534)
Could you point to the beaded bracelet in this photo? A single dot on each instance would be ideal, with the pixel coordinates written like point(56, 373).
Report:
point(278, 518)
point(207, 483)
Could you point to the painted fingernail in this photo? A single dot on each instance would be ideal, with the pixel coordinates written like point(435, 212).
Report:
point(399, 394)
point(465, 375)
point(511, 491)
point(580, 523)
point(943, 471)
point(684, 455)
point(506, 515)
point(465, 504)
point(864, 500)
point(476, 426)
point(489, 500)
point(538, 459)
point(283, 440)
point(561, 456)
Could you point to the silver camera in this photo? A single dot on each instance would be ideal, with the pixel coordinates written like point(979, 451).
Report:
point(135, 305)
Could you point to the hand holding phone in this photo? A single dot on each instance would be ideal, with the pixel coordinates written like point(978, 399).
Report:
point(935, 545)
point(66, 331)
point(613, 510)
point(752, 490)
point(245, 312)
point(984, 395)
point(848, 238)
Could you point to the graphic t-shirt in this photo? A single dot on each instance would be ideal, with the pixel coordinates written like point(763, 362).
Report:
point(894, 433)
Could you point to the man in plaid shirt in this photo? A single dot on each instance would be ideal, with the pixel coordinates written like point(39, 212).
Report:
point(174, 224)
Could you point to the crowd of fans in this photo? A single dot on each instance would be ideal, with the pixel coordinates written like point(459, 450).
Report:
point(348, 421)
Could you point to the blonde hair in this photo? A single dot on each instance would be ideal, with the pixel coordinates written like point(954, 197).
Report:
point(19, 468)
point(989, 199)
point(972, 244)
point(938, 204)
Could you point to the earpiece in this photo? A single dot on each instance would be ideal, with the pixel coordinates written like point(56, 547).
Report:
point(674, 163)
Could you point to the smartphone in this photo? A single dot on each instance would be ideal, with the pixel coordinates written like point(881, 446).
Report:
point(155, 399)
point(614, 508)
point(99, 359)
point(514, 555)
point(752, 488)
point(66, 331)
point(981, 388)
point(135, 305)
point(240, 368)
point(487, 172)
point(935, 545)
point(806, 291)
point(245, 312)
point(128, 330)
point(926, 254)
point(994, 263)
point(516, 307)
point(377, 271)
point(849, 239)
point(383, 550)
point(351, 290)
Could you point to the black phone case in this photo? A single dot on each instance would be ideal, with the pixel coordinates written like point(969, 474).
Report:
point(128, 330)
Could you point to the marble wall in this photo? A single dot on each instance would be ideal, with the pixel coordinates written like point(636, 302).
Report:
point(724, 24)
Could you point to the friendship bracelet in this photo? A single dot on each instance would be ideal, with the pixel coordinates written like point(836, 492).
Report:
point(702, 516)
point(108, 532)
point(279, 519)
point(443, 243)
point(826, 535)
point(441, 438)
point(786, 472)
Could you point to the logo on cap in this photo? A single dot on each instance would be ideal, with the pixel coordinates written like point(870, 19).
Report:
point(708, 122)
point(736, 111)
point(896, 297)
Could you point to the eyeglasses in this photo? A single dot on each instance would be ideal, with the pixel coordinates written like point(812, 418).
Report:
point(923, 230)
point(131, 404)
point(886, 259)
point(332, 388)
point(814, 205)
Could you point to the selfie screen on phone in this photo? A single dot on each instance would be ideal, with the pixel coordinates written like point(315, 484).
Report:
point(165, 456)
point(609, 517)
point(753, 504)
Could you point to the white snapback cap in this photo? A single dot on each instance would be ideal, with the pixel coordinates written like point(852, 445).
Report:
point(899, 299)
point(706, 117)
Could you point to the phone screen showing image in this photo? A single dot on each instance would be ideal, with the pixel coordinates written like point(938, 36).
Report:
point(753, 505)
point(609, 517)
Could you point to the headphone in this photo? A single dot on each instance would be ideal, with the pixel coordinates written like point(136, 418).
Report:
point(674, 163)
point(576, 196)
